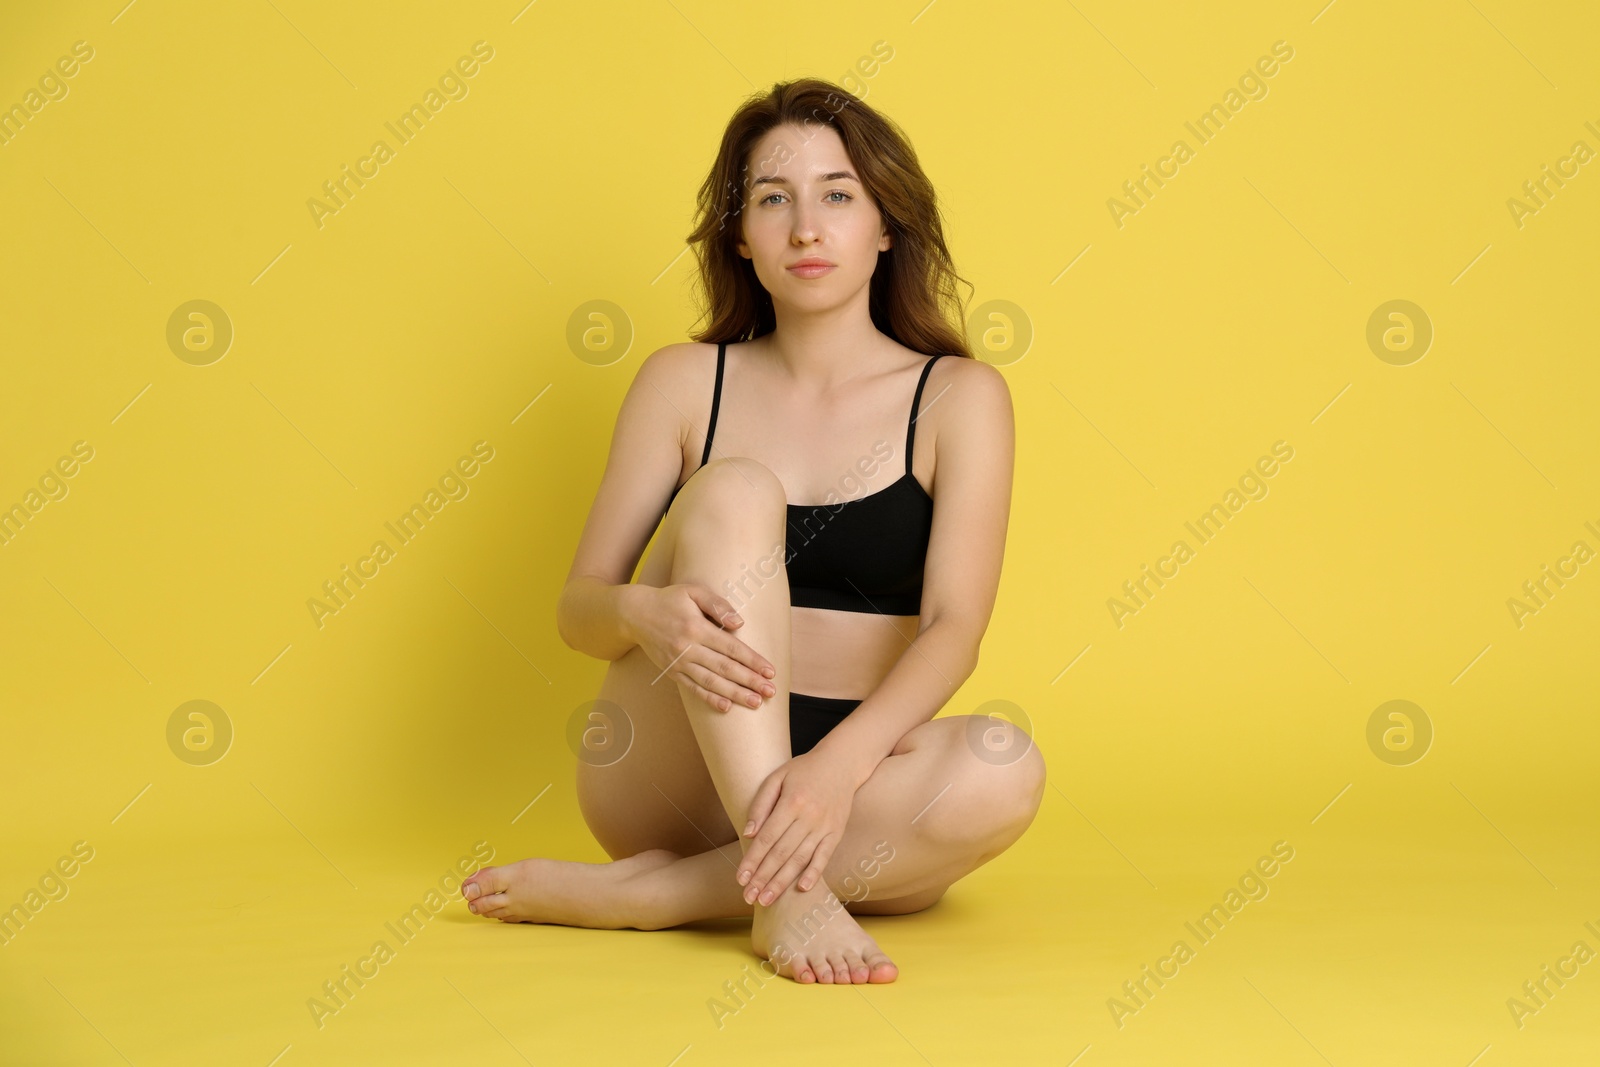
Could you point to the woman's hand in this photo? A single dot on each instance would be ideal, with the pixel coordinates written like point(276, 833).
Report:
point(797, 819)
point(675, 627)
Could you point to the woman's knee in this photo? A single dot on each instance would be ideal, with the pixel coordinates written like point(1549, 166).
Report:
point(1014, 775)
point(733, 482)
point(997, 766)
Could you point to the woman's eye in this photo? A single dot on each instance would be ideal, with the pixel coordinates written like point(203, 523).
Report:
point(837, 192)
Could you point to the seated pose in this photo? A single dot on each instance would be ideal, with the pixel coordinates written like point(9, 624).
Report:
point(777, 666)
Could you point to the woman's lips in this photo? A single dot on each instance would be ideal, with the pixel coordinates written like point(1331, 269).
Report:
point(811, 270)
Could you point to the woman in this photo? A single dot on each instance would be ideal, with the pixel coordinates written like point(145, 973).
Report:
point(783, 742)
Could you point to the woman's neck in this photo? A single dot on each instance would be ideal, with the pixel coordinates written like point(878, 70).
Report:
point(821, 350)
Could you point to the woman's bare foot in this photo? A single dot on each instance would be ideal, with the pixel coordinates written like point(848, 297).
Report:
point(600, 896)
point(811, 941)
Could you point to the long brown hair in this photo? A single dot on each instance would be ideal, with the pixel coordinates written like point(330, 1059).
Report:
point(912, 294)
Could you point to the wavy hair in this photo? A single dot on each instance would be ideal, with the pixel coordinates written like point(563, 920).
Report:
point(913, 296)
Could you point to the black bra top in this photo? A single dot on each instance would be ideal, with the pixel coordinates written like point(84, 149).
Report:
point(865, 554)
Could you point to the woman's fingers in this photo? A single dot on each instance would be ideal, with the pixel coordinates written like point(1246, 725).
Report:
point(746, 657)
point(750, 682)
point(716, 701)
point(719, 692)
point(760, 807)
point(809, 858)
point(722, 681)
point(819, 862)
point(793, 837)
point(730, 678)
point(717, 608)
point(771, 832)
point(724, 611)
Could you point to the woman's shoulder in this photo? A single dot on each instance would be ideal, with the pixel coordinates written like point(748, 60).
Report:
point(970, 392)
point(679, 354)
point(967, 372)
point(680, 364)
point(678, 381)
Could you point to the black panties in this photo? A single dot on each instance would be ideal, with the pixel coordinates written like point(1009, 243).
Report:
point(810, 718)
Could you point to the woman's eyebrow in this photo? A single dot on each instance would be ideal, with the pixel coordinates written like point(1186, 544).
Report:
point(832, 176)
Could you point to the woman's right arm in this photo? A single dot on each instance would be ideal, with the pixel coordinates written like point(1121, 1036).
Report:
point(643, 465)
point(601, 612)
point(592, 618)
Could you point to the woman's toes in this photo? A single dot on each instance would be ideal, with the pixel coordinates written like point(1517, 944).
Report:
point(803, 971)
point(856, 966)
point(841, 970)
point(880, 968)
point(487, 905)
point(488, 880)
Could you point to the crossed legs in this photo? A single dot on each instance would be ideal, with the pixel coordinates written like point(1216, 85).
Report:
point(931, 812)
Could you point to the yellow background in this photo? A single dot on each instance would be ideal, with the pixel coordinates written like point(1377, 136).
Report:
point(369, 354)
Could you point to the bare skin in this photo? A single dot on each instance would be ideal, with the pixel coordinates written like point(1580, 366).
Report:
point(703, 696)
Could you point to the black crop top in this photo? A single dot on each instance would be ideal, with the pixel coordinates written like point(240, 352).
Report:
point(865, 554)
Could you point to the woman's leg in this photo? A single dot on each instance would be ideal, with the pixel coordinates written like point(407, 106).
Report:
point(663, 794)
point(661, 800)
point(654, 807)
point(933, 811)
point(732, 531)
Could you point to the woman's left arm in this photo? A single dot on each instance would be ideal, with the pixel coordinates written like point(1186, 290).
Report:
point(974, 433)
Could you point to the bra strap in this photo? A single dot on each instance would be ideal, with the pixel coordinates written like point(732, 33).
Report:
point(911, 429)
point(716, 402)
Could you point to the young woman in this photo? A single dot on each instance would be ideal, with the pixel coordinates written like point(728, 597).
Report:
point(777, 666)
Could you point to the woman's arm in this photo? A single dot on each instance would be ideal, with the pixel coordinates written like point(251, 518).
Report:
point(975, 443)
point(643, 465)
point(592, 617)
point(683, 628)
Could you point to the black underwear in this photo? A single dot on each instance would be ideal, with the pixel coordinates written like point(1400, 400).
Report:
point(810, 718)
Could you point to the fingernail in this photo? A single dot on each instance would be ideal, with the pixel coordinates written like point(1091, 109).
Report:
point(744, 876)
point(751, 825)
point(766, 898)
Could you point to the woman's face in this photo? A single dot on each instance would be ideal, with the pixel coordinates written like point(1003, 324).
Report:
point(804, 201)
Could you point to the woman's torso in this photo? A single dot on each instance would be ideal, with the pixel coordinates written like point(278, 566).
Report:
point(842, 447)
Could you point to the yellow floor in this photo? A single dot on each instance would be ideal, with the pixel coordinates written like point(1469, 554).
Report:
point(1372, 945)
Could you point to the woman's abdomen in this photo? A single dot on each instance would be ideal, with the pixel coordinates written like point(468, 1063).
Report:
point(844, 654)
